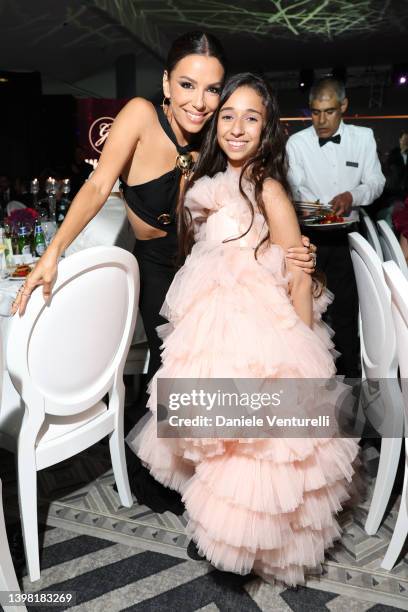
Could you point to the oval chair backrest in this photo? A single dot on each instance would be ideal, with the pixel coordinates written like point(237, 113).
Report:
point(390, 247)
point(67, 354)
point(371, 233)
point(398, 286)
point(378, 346)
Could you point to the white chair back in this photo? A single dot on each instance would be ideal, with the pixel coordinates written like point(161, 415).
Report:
point(398, 286)
point(371, 233)
point(390, 247)
point(384, 409)
point(378, 346)
point(65, 357)
point(111, 227)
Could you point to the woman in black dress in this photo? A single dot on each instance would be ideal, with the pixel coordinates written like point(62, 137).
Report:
point(152, 149)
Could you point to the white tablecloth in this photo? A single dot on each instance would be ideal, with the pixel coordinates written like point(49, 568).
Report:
point(10, 399)
point(8, 291)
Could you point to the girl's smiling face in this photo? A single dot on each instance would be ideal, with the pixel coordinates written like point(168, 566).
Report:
point(240, 124)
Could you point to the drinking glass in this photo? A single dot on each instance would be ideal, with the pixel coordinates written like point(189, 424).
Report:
point(50, 229)
point(3, 265)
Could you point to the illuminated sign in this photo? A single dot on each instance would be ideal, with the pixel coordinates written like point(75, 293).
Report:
point(98, 132)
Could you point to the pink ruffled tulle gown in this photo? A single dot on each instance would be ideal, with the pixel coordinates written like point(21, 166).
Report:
point(266, 506)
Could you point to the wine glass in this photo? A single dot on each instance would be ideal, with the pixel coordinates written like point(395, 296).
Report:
point(51, 186)
point(34, 190)
point(51, 189)
point(50, 229)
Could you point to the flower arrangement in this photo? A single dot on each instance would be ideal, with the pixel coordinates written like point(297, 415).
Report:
point(22, 216)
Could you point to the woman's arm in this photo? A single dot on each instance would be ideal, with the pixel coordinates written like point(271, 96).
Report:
point(284, 231)
point(120, 145)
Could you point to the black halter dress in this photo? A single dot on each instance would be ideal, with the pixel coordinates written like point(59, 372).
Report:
point(155, 203)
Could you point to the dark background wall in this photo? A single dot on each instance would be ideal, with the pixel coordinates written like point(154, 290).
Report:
point(37, 132)
point(41, 131)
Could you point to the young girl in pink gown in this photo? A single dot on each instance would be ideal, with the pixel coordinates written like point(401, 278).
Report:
point(239, 309)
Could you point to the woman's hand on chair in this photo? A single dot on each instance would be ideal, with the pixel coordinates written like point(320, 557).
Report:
point(43, 274)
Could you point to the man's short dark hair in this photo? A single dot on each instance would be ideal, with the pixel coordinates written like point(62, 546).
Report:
point(327, 83)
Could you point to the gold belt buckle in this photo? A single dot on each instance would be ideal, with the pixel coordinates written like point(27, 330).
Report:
point(164, 218)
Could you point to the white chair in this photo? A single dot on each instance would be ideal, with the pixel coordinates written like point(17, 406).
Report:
point(110, 227)
point(391, 247)
point(14, 205)
point(63, 359)
point(8, 578)
point(398, 286)
point(379, 359)
point(371, 233)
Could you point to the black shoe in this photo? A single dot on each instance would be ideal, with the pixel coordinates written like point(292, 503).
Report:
point(148, 491)
point(151, 493)
point(192, 552)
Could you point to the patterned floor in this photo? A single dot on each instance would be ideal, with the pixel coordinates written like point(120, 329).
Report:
point(118, 558)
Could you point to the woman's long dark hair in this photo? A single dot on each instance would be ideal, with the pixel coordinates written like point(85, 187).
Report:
point(269, 160)
point(195, 43)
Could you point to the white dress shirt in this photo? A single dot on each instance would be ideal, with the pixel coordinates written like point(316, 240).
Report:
point(321, 173)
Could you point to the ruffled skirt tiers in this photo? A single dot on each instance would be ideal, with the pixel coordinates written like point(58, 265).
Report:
point(262, 505)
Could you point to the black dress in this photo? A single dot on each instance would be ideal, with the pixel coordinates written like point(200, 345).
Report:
point(155, 202)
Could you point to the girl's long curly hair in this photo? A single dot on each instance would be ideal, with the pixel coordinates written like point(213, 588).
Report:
point(269, 161)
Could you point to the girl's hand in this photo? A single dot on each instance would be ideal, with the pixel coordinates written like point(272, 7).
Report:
point(305, 256)
point(44, 273)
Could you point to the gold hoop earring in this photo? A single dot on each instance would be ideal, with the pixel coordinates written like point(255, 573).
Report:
point(166, 102)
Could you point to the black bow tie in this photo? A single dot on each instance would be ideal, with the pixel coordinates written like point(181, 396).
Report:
point(336, 139)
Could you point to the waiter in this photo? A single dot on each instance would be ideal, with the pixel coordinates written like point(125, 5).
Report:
point(336, 164)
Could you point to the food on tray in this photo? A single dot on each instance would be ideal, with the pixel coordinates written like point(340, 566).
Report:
point(21, 271)
point(331, 218)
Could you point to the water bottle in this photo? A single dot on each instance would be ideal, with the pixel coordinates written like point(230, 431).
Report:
point(9, 244)
point(3, 263)
point(24, 246)
point(39, 239)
